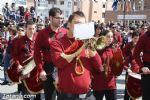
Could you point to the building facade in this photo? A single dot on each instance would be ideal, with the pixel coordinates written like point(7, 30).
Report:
point(134, 12)
point(93, 9)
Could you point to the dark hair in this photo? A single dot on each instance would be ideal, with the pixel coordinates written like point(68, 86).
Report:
point(105, 32)
point(13, 30)
point(29, 22)
point(135, 33)
point(79, 13)
point(54, 10)
point(98, 26)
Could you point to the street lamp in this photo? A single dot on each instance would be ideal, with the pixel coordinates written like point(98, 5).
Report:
point(124, 13)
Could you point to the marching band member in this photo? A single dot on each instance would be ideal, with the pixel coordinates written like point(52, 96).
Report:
point(143, 46)
point(104, 82)
point(98, 30)
point(24, 51)
point(117, 39)
point(42, 55)
point(130, 64)
point(74, 72)
point(20, 33)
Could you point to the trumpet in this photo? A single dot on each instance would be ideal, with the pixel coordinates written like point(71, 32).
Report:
point(97, 43)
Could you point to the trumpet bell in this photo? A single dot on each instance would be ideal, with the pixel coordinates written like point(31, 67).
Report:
point(101, 43)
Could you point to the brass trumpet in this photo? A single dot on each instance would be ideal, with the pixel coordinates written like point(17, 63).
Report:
point(101, 43)
point(97, 43)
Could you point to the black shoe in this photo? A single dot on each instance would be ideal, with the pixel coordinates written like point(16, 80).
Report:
point(5, 83)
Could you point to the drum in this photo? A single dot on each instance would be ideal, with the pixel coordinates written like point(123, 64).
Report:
point(13, 74)
point(28, 67)
point(117, 62)
point(133, 85)
point(33, 83)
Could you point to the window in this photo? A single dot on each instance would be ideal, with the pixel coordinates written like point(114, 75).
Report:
point(103, 5)
point(96, 1)
point(103, 15)
point(61, 2)
point(95, 11)
point(69, 4)
point(75, 3)
point(67, 14)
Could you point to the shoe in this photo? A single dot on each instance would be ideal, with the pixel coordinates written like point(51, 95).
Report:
point(5, 83)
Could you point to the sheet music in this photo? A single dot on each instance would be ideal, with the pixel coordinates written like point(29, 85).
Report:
point(84, 30)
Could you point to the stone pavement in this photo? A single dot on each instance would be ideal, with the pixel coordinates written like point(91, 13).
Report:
point(12, 88)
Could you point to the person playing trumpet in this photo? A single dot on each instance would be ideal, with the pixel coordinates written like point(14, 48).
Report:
point(74, 64)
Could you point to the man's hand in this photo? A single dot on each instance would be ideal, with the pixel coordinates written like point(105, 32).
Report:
point(20, 68)
point(145, 70)
point(24, 77)
point(43, 76)
point(129, 70)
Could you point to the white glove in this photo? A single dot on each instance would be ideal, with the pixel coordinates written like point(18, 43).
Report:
point(43, 76)
point(20, 68)
point(129, 70)
point(145, 70)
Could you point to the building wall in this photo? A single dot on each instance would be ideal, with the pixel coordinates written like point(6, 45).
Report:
point(30, 3)
point(96, 11)
point(109, 5)
point(146, 4)
point(92, 9)
point(85, 7)
point(67, 8)
point(115, 14)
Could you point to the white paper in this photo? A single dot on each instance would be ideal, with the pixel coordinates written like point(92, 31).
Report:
point(84, 30)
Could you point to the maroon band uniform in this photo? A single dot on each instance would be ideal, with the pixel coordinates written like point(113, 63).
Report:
point(69, 81)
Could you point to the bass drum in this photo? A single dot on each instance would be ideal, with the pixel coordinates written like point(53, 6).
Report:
point(33, 83)
point(133, 85)
point(13, 74)
point(117, 62)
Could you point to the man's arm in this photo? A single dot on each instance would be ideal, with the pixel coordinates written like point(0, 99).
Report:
point(126, 56)
point(59, 58)
point(137, 51)
point(37, 52)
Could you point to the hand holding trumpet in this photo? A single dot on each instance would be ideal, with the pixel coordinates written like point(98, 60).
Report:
point(91, 45)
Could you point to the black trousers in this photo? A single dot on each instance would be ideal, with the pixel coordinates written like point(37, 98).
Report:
point(109, 95)
point(49, 87)
point(64, 96)
point(145, 83)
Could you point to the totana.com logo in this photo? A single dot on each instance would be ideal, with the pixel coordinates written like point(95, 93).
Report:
point(18, 96)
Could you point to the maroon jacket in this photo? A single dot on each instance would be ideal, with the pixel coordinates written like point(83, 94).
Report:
point(128, 56)
point(23, 50)
point(143, 45)
point(14, 46)
point(42, 45)
point(69, 81)
point(100, 82)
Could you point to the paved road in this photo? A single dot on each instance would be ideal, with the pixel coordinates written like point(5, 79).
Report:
point(12, 89)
